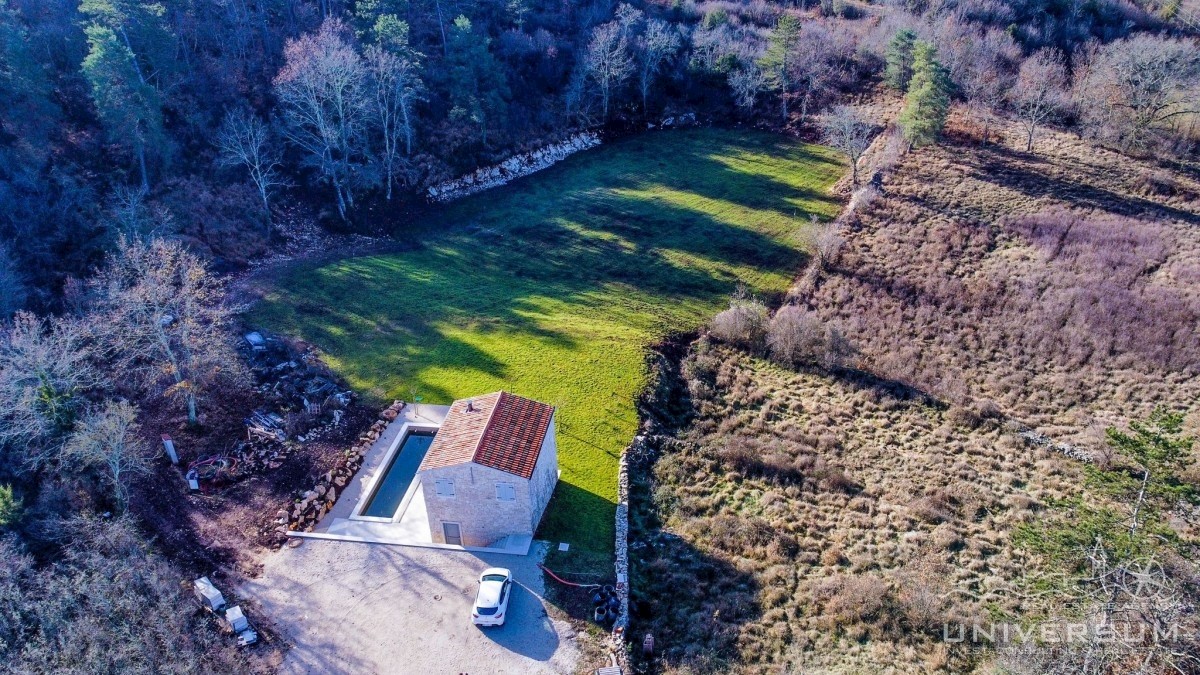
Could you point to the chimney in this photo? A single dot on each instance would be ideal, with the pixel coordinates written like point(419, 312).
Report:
point(470, 405)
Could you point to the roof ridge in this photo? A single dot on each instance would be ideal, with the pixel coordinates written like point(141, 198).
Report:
point(487, 425)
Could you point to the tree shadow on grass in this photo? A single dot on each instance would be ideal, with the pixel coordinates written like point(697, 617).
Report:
point(402, 313)
point(1009, 168)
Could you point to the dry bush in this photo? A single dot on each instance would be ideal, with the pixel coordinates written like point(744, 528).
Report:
point(797, 337)
point(744, 324)
point(934, 508)
point(847, 600)
point(765, 487)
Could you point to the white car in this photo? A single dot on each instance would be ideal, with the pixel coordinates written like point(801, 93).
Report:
point(491, 603)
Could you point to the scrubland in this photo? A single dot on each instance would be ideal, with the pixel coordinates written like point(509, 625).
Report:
point(832, 518)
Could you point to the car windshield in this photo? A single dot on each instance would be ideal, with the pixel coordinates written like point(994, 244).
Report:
point(486, 611)
point(494, 577)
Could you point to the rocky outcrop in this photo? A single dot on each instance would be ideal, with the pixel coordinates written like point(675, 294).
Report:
point(512, 168)
point(307, 509)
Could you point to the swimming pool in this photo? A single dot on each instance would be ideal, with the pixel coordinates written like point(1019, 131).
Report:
point(393, 484)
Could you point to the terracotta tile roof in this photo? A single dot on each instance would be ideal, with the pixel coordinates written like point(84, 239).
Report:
point(502, 431)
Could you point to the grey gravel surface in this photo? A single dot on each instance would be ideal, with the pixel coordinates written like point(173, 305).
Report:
point(370, 608)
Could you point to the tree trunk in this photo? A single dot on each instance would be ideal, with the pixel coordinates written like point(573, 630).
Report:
point(341, 201)
point(137, 67)
point(262, 192)
point(193, 418)
point(141, 157)
point(407, 128)
point(442, 27)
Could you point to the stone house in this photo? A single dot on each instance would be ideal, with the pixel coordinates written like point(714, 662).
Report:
point(490, 471)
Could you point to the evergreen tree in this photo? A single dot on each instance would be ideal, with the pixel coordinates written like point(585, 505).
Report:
point(779, 63)
point(900, 59)
point(477, 83)
point(928, 100)
point(129, 109)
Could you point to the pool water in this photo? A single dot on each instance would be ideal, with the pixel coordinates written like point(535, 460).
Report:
point(390, 489)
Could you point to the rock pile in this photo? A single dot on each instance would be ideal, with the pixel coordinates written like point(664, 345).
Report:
point(675, 122)
point(307, 509)
point(514, 167)
point(1038, 439)
point(295, 383)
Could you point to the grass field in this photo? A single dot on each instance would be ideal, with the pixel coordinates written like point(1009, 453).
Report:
point(553, 288)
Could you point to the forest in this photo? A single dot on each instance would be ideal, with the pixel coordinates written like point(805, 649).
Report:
point(149, 151)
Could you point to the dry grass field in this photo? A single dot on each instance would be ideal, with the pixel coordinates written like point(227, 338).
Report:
point(836, 524)
point(1062, 287)
point(809, 522)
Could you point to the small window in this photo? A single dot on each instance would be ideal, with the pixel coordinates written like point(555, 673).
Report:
point(444, 487)
point(506, 492)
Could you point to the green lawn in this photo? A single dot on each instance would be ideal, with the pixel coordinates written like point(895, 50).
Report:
point(553, 287)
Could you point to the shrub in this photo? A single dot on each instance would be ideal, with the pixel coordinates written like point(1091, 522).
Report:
point(715, 18)
point(795, 336)
point(10, 506)
point(851, 599)
point(744, 324)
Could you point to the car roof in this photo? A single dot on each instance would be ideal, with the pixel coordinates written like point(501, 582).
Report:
point(495, 570)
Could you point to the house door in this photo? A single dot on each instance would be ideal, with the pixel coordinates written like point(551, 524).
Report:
point(452, 533)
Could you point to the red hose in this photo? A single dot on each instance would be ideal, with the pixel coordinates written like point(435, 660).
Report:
point(564, 581)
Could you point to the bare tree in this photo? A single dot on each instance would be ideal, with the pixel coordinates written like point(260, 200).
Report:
point(45, 368)
point(1136, 91)
point(323, 91)
point(397, 87)
point(627, 17)
point(162, 316)
point(746, 84)
point(109, 438)
point(659, 43)
point(608, 61)
point(133, 217)
point(985, 74)
point(848, 132)
point(245, 140)
point(815, 68)
point(1040, 91)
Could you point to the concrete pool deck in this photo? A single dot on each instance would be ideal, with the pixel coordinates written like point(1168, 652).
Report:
point(411, 528)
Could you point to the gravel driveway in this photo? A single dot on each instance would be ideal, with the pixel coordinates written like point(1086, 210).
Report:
point(371, 608)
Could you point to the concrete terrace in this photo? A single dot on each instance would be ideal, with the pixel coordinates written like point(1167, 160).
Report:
point(411, 527)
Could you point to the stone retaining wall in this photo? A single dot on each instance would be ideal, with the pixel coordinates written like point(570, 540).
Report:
point(621, 626)
point(512, 168)
point(303, 514)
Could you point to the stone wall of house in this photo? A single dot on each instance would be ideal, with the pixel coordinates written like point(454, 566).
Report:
point(545, 477)
point(482, 518)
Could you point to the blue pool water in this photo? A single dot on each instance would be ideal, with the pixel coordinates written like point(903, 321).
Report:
point(390, 489)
